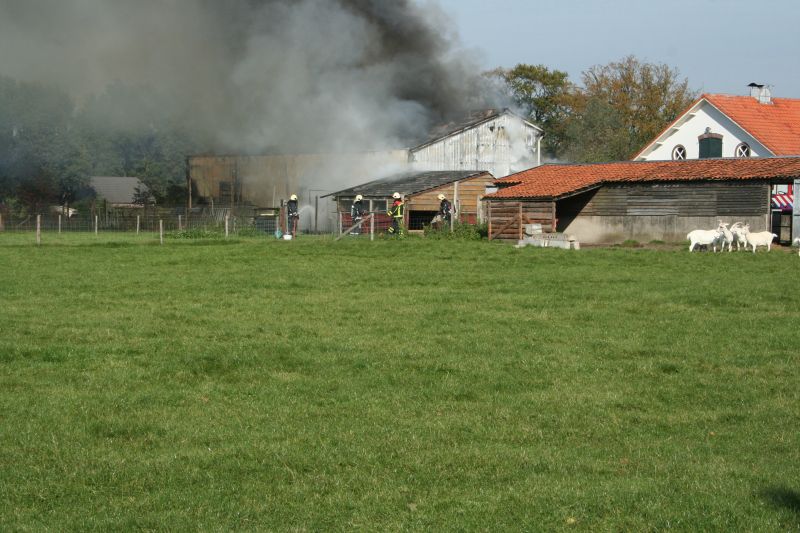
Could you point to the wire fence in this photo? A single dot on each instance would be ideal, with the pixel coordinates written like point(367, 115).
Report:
point(175, 222)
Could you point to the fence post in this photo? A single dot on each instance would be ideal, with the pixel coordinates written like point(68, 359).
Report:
point(372, 227)
point(226, 226)
point(180, 223)
point(520, 221)
point(234, 225)
point(38, 229)
point(455, 207)
point(2, 227)
point(96, 224)
point(137, 224)
point(59, 224)
point(490, 220)
point(161, 231)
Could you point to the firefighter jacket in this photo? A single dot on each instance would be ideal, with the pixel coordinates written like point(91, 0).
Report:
point(291, 209)
point(357, 210)
point(445, 208)
point(396, 210)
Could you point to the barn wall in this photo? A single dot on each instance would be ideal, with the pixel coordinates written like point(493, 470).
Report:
point(470, 191)
point(502, 211)
point(501, 146)
point(667, 212)
point(266, 180)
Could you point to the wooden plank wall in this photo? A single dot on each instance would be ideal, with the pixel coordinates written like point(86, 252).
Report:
point(469, 192)
point(699, 199)
point(536, 211)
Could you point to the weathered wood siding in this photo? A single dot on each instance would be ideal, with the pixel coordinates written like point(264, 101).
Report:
point(470, 191)
point(501, 146)
point(667, 212)
point(501, 212)
point(685, 199)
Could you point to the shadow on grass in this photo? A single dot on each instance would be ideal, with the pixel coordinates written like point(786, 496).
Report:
point(782, 498)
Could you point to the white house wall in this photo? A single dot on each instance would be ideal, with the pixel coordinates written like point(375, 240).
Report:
point(706, 116)
point(502, 146)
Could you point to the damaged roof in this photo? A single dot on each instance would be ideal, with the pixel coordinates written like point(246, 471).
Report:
point(554, 181)
point(470, 120)
point(408, 183)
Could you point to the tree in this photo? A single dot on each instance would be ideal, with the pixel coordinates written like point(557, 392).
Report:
point(546, 96)
point(645, 97)
point(596, 134)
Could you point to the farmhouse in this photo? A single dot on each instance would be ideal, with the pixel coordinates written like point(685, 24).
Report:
point(647, 200)
point(498, 141)
point(720, 125)
point(420, 191)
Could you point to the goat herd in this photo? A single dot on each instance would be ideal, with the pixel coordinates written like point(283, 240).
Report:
point(738, 233)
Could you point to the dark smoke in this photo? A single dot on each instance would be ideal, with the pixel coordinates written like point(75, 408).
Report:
point(255, 75)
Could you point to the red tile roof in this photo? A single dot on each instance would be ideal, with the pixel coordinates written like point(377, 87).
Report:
point(554, 181)
point(776, 125)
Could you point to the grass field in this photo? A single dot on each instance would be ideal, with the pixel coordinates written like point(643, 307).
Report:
point(396, 385)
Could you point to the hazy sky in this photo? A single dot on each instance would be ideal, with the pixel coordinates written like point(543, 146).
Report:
point(719, 45)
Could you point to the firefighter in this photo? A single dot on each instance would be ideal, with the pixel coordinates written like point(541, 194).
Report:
point(396, 212)
point(445, 209)
point(357, 213)
point(292, 215)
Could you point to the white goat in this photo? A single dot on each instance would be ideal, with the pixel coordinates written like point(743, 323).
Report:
point(704, 237)
point(738, 236)
point(762, 238)
point(726, 236)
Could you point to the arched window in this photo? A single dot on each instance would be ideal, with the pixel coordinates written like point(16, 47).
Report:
point(742, 150)
point(679, 153)
point(710, 144)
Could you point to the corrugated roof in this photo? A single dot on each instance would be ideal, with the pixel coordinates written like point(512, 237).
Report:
point(776, 125)
point(470, 120)
point(116, 189)
point(408, 183)
point(554, 181)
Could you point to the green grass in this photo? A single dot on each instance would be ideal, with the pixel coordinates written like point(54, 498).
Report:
point(413, 384)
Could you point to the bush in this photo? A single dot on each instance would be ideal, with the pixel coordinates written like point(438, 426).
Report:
point(196, 233)
point(461, 231)
point(249, 231)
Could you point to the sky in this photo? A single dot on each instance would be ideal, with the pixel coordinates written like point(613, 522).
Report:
point(719, 45)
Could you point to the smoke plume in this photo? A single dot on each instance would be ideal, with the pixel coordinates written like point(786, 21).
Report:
point(256, 75)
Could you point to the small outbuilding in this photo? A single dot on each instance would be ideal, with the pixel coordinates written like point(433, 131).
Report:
point(644, 201)
point(420, 191)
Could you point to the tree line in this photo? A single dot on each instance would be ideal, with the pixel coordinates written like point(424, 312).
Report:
point(616, 110)
point(50, 144)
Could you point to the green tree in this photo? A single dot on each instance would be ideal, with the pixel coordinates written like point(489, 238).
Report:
point(645, 97)
point(547, 97)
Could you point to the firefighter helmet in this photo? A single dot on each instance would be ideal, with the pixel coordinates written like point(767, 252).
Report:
point(359, 197)
point(441, 197)
point(293, 197)
point(396, 196)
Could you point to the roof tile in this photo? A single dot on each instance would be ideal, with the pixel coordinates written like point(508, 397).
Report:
point(553, 181)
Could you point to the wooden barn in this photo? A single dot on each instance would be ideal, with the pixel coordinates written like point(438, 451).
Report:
point(644, 201)
point(420, 190)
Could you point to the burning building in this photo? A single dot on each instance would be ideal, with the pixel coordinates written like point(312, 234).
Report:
point(499, 142)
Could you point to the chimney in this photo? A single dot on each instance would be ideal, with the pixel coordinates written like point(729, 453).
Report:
point(761, 93)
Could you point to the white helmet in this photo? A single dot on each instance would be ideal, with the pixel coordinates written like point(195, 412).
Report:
point(293, 197)
point(441, 197)
point(359, 197)
point(396, 196)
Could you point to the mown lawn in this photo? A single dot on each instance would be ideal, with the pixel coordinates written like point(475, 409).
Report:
point(420, 385)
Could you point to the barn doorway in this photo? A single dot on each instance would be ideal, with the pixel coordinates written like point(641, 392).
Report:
point(417, 220)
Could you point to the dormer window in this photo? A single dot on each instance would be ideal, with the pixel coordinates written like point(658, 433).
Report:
point(710, 144)
point(742, 150)
point(679, 153)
